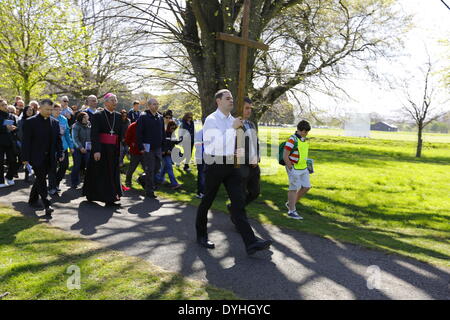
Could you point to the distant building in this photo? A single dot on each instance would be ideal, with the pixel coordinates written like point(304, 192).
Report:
point(383, 126)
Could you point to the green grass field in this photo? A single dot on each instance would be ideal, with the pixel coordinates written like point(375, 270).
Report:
point(34, 259)
point(371, 192)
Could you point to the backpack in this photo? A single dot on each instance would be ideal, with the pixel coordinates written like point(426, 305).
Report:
point(281, 150)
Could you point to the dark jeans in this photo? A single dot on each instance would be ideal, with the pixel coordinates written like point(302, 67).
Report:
point(152, 162)
point(134, 162)
point(124, 150)
point(251, 182)
point(40, 183)
point(167, 168)
point(58, 171)
point(216, 174)
point(11, 161)
point(80, 161)
point(201, 178)
point(189, 153)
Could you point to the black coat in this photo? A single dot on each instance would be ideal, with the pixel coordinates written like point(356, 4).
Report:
point(7, 139)
point(33, 140)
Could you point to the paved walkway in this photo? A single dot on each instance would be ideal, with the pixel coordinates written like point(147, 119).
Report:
point(299, 266)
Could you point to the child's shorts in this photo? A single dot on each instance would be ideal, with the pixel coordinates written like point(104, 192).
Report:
point(298, 179)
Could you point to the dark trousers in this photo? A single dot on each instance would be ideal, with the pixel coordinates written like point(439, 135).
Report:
point(251, 177)
point(189, 153)
point(40, 183)
point(152, 162)
point(201, 178)
point(80, 161)
point(11, 161)
point(135, 159)
point(216, 174)
point(58, 171)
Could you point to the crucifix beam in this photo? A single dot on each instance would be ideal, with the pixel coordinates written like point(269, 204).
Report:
point(244, 42)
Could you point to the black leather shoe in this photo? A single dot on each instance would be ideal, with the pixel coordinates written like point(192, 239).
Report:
point(204, 242)
point(48, 211)
point(258, 245)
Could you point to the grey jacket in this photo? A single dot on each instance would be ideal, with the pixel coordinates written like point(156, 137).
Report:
point(81, 134)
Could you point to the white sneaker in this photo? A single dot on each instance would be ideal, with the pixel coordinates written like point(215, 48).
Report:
point(4, 185)
point(10, 182)
point(294, 215)
point(200, 196)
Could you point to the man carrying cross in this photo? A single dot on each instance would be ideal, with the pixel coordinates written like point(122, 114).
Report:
point(219, 138)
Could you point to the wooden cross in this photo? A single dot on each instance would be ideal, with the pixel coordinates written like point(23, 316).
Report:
point(245, 43)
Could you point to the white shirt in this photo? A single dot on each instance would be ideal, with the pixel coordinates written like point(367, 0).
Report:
point(219, 135)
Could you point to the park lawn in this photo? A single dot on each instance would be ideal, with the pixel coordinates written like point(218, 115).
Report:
point(34, 259)
point(370, 192)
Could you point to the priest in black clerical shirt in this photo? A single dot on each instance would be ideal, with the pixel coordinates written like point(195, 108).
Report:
point(102, 180)
point(41, 146)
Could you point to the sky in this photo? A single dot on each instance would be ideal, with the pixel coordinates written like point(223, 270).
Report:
point(432, 23)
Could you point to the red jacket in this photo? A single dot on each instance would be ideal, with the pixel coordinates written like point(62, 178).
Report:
point(130, 139)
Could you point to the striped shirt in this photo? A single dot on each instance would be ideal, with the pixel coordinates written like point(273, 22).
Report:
point(291, 146)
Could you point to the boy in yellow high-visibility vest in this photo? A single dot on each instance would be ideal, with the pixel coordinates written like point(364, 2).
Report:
point(295, 156)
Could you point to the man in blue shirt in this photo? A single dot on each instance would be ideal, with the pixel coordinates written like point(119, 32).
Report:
point(134, 113)
point(149, 136)
point(58, 169)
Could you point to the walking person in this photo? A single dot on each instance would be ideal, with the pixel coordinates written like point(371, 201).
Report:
point(295, 156)
point(150, 134)
point(102, 180)
point(28, 112)
point(8, 127)
point(41, 146)
point(219, 137)
point(187, 123)
point(125, 123)
point(166, 150)
point(81, 135)
point(250, 171)
point(58, 170)
point(136, 156)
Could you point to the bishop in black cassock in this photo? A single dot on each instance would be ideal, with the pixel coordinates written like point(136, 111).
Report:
point(102, 180)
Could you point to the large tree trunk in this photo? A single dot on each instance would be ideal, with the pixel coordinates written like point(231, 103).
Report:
point(419, 140)
point(27, 97)
point(215, 63)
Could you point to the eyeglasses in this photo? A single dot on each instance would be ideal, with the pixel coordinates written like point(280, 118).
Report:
point(168, 117)
point(65, 100)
